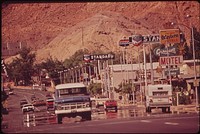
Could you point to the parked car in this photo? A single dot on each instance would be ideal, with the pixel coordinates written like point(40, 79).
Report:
point(36, 87)
point(111, 104)
point(39, 103)
point(50, 103)
point(22, 102)
point(48, 95)
point(10, 92)
point(28, 107)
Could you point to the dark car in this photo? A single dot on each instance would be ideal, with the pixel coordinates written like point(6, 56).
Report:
point(48, 95)
point(50, 103)
point(39, 103)
point(33, 97)
point(22, 102)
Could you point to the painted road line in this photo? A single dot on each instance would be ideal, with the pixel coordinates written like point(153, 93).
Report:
point(171, 123)
point(147, 121)
point(30, 102)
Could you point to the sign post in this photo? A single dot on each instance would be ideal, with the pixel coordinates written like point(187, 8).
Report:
point(168, 37)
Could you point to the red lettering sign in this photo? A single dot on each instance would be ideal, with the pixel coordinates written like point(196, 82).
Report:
point(170, 60)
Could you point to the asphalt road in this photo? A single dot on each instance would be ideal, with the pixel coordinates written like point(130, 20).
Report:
point(101, 122)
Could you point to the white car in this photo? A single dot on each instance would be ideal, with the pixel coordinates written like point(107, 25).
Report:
point(10, 92)
point(36, 87)
point(28, 107)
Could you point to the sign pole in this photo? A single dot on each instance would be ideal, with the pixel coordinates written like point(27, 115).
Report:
point(145, 70)
point(195, 73)
point(170, 78)
point(152, 74)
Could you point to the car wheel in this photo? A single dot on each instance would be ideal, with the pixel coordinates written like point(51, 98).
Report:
point(59, 119)
point(116, 109)
point(87, 116)
point(164, 109)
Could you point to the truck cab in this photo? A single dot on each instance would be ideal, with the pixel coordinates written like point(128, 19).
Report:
point(71, 100)
point(158, 96)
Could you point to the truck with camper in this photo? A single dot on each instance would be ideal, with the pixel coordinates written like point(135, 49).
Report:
point(158, 96)
point(71, 100)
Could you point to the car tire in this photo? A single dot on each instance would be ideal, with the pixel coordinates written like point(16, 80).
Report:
point(59, 119)
point(148, 109)
point(116, 109)
point(164, 109)
point(87, 116)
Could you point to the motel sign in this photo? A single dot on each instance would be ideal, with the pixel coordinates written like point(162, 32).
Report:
point(171, 60)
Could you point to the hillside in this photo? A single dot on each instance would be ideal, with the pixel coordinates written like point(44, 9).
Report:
point(60, 29)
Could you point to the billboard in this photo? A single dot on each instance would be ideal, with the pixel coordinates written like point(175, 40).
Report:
point(88, 57)
point(171, 51)
point(169, 36)
point(171, 60)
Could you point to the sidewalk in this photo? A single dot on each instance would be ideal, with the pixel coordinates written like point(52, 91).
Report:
point(191, 108)
point(185, 108)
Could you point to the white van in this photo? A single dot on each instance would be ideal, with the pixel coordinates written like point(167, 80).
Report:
point(158, 96)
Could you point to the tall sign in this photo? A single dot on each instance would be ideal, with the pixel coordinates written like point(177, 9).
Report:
point(169, 36)
point(170, 60)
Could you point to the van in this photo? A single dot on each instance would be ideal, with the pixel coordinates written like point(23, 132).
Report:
point(158, 96)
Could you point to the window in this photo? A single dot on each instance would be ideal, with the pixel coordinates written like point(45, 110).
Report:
point(71, 91)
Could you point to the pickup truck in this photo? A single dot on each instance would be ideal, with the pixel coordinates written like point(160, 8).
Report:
point(110, 104)
point(27, 108)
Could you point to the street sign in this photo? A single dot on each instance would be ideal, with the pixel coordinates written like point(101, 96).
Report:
point(169, 36)
point(173, 71)
point(171, 60)
point(124, 42)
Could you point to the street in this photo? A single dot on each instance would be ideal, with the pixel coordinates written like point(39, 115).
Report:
point(134, 120)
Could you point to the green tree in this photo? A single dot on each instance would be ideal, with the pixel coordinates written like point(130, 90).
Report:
point(51, 67)
point(76, 59)
point(124, 88)
point(22, 68)
point(95, 88)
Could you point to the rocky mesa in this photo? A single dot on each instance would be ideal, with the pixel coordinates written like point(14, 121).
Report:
point(60, 29)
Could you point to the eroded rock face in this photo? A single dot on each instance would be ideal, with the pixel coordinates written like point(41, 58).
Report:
point(60, 29)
